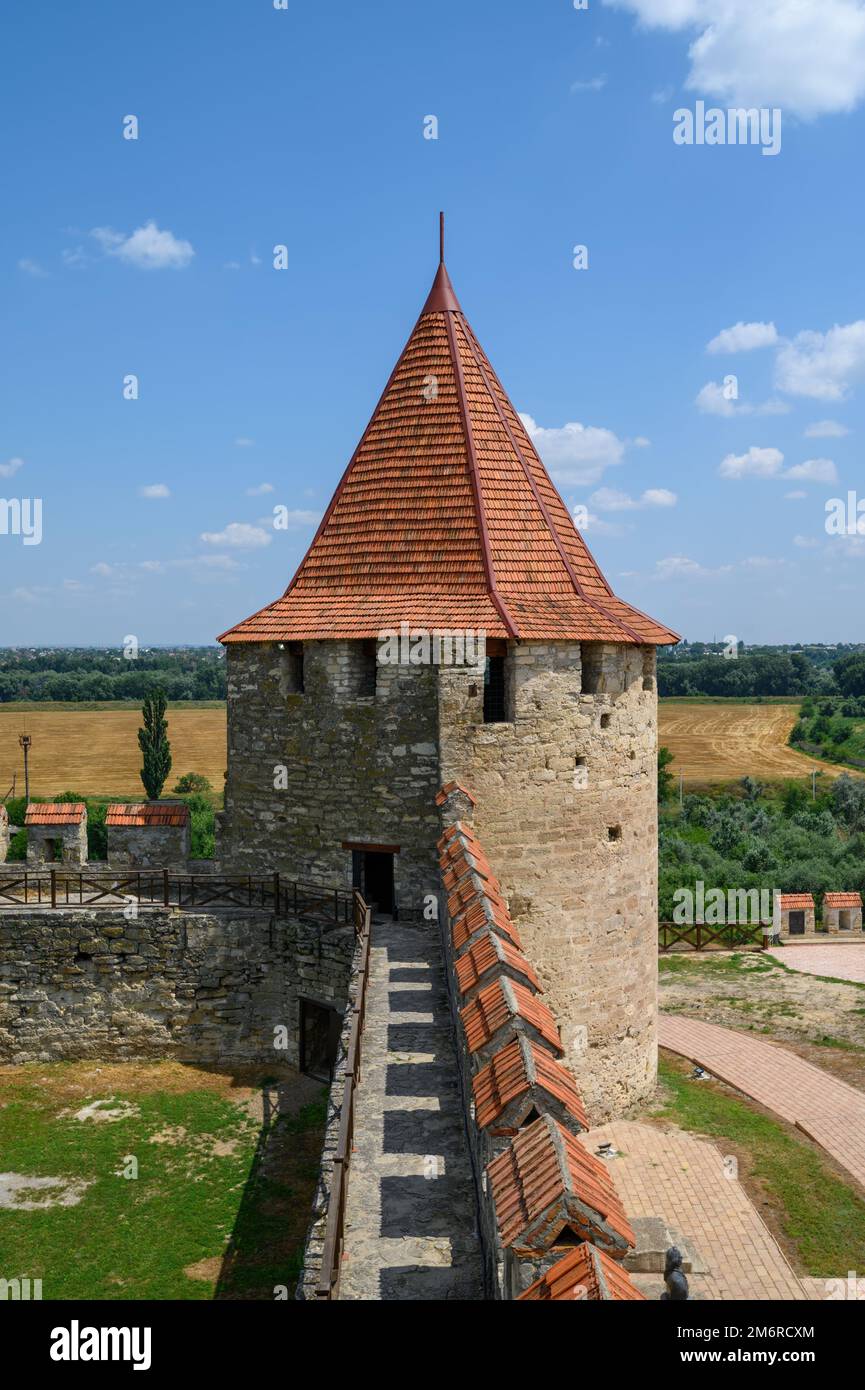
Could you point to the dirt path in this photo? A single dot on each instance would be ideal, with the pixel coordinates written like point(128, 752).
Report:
point(723, 742)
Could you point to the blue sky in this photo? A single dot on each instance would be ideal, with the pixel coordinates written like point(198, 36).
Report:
point(305, 127)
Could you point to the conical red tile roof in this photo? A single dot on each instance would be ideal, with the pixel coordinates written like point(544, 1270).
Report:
point(446, 518)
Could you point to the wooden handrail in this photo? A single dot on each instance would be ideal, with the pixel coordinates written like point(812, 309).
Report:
point(331, 1258)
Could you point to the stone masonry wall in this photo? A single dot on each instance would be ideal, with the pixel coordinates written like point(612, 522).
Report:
point(567, 813)
point(148, 847)
point(198, 987)
point(356, 767)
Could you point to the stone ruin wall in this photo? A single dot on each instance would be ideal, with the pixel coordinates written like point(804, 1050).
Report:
point(358, 768)
point(585, 903)
point(198, 987)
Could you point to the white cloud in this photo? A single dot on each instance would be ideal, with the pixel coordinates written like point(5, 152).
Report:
point(814, 471)
point(147, 247)
point(104, 571)
point(744, 337)
point(32, 268)
point(711, 400)
point(805, 542)
point(608, 499)
point(240, 535)
point(823, 365)
point(806, 56)
point(826, 429)
point(795, 496)
point(756, 463)
point(8, 470)
point(244, 443)
point(681, 567)
point(260, 490)
point(593, 84)
point(154, 490)
point(641, 442)
point(575, 454)
point(767, 463)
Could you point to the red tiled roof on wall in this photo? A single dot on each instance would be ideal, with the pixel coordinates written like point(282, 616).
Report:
point(446, 518)
point(147, 814)
point(584, 1273)
point(788, 901)
point(55, 813)
point(842, 900)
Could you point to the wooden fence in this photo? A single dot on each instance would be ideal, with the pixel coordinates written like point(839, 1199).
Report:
point(331, 1259)
point(192, 892)
point(699, 937)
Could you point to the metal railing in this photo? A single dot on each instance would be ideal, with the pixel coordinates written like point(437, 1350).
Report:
point(331, 1259)
point(62, 887)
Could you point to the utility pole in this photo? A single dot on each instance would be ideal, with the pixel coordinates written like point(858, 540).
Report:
point(25, 741)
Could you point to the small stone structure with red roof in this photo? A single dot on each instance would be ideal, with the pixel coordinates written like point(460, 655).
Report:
point(56, 830)
point(842, 912)
point(148, 834)
point(794, 914)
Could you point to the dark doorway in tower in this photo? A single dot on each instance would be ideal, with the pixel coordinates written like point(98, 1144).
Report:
point(372, 874)
point(320, 1027)
point(797, 924)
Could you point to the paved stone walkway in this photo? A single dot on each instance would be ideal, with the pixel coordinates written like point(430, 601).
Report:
point(410, 1216)
point(828, 1110)
point(841, 962)
point(684, 1180)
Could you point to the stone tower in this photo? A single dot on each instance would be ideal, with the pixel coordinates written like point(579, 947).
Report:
point(446, 521)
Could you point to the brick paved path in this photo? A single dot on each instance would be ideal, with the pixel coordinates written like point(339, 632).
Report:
point(842, 962)
point(410, 1216)
point(684, 1180)
point(829, 1111)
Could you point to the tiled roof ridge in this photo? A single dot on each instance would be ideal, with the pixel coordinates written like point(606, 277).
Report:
point(528, 1056)
point(480, 361)
point(474, 472)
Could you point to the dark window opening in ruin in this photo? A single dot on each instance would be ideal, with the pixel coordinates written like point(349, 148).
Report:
point(606, 720)
point(372, 875)
point(567, 1239)
point(845, 920)
point(320, 1027)
point(494, 690)
point(614, 832)
point(368, 667)
point(530, 1118)
point(295, 666)
point(648, 668)
point(797, 924)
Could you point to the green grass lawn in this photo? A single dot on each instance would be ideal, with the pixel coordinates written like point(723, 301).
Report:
point(216, 1209)
point(820, 1218)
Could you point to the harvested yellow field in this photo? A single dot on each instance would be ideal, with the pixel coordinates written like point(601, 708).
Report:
point(723, 742)
point(96, 750)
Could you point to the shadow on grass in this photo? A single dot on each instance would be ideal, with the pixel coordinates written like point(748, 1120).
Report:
point(265, 1252)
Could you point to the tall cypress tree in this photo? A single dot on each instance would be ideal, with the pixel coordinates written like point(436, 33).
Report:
point(154, 745)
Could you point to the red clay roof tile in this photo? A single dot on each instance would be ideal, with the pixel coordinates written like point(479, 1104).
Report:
point(491, 952)
point(842, 899)
point(521, 1069)
point(55, 813)
point(446, 518)
point(584, 1273)
point(503, 1003)
point(545, 1183)
point(787, 901)
point(147, 814)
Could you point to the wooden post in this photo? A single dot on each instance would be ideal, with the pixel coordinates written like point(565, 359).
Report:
point(166, 888)
point(53, 887)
